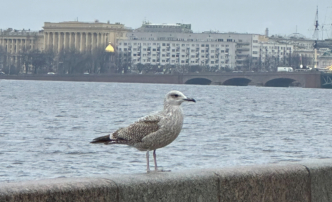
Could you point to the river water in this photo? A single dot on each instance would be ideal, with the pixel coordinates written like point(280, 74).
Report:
point(46, 127)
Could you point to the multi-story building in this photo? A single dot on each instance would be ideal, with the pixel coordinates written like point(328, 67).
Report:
point(325, 60)
point(159, 46)
point(165, 44)
point(165, 52)
point(14, 41)
point(178, 27)
point(303, 48)
point(272, 54)
point(81, 36)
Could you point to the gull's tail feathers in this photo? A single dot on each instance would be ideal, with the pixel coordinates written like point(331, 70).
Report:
point(103, 139)
point(110, 139)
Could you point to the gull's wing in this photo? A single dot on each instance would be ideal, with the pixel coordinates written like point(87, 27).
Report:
point(135, 132)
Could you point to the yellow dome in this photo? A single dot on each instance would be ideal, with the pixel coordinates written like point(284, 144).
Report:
point(109, 48)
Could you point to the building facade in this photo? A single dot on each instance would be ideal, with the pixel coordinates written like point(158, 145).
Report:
point(220, 50)
point(165, 44)
point(15, 41)
point(272, 54)
point(177, 27)
point(81, 36)
point(164, 52)
point(325, 61)
point(55, 37)
point(303, 48)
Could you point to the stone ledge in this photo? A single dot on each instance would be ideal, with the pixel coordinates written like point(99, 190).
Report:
point(60, 189)
point(280, 183)
point(305, 181)
point(320, 179)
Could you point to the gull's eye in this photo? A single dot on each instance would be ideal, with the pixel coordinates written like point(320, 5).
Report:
point(175, 95)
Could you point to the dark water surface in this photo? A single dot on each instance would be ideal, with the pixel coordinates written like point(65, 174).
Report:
point(46, 127)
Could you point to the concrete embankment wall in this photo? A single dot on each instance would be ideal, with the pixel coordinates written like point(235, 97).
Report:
point(306, 181)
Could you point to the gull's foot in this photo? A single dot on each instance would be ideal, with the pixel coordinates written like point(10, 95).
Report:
point(158, 170)
point(162, 170)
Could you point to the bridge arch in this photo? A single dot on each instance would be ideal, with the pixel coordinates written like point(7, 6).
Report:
point(199, 81)
point(237, 82)
point(282, 82)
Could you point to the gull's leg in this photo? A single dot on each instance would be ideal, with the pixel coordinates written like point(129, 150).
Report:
point(155, 163)
point(147, 161)
point(155, 160)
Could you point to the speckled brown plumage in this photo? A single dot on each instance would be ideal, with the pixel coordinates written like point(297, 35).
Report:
point(153, 131)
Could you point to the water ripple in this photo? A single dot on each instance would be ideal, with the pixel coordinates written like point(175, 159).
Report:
point(46, 127)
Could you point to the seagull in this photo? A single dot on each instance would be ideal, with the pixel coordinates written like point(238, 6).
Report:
point(153, 131)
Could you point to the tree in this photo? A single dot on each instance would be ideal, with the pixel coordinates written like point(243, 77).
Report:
point(140, 67)
point(122, 62)
point(3, 58)
point(195, 68)
point(101, 60)
point(296, 61)
point(49, 56)
point(71, 61)
point(38, 60)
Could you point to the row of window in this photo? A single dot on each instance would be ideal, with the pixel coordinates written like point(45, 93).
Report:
point(275, 47)
point(177, 61)
point(183, 50)
point(197, 45)
point(173, 50)
point(174, 44)
point(17, 41)
point(173, 56)
point(179, 39)
point(16, 48)
point(274, 53)
point(281, 53)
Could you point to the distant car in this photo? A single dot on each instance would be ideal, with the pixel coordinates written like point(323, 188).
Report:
point(50, 73)
point(86, 73)
point(2, 73)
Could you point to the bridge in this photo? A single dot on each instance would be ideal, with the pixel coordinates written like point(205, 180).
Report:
point(309, 79)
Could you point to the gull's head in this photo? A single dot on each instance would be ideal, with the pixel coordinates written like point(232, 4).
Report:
point(175, 97)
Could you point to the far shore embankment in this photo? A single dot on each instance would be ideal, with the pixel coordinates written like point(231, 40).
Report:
point(312, 79)
point(126, 78)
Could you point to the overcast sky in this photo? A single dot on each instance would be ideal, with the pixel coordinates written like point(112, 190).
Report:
point(242, 16)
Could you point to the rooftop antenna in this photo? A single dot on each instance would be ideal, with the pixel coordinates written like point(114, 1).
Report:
point(330, 24)
point(327, 24)
point(315, 36)
point(145, 21)
point(316, 25)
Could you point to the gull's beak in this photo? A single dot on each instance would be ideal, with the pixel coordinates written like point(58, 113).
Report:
point(189, 99)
